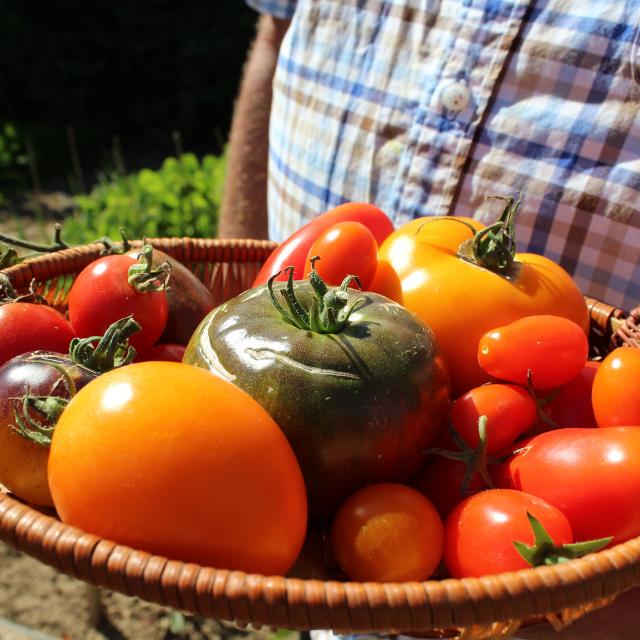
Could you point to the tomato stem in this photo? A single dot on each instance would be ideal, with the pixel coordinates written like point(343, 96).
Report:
point(49, 407)
point(544, 551)
point(144, 278)
point(330, 309)
point(113, 349)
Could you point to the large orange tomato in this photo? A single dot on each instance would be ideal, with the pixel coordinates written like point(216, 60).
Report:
point(461, 300)
point(171, 459)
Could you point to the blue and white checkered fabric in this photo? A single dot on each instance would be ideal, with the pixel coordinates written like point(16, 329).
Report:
point(424, 107)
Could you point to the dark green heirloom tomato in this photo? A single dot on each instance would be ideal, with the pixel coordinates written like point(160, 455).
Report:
point(355, 381)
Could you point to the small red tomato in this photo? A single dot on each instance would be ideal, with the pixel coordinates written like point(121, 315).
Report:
point(481, 530)
point(441, 480)
point(387, 532)
point(616, 390)
point(554, 349)
point(345, 248)
point(510, 411)
point(570, 405)
point(164, 351)
point(101, 294)
point(25, 327)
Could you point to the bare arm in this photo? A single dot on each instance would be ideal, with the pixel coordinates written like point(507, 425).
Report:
point(244, 204)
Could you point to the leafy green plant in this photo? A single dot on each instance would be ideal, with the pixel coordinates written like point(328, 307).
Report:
point(182, 198)
point(13, 162)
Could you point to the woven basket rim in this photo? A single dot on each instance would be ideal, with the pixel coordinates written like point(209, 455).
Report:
point(291, 602)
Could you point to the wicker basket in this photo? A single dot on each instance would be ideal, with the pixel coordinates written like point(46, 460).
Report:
point(313, 596)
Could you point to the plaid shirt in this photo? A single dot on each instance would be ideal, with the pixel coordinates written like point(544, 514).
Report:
point(424, 107)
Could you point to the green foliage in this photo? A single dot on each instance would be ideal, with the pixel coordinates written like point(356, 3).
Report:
point(13, 162)
point(182, 198)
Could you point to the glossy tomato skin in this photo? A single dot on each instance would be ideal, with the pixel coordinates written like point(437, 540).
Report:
point(387, 533)
point(510, 412)
point(480, 531)
point(386, 282)
point(461, 301)
point(570, 405)
point(616, 392)
point(26, 327)
point(591, 475)
point(101, 295)
point(553, 348)
point(23, 462)
point(359, 406)
point(344, 248)
point(294, 250)
point(167, 458)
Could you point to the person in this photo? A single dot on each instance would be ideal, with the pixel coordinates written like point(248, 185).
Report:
point(424, 107)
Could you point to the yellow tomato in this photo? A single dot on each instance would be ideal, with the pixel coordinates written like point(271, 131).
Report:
point(461, 300)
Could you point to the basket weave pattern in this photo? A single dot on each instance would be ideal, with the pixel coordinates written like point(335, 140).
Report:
point(487, 607)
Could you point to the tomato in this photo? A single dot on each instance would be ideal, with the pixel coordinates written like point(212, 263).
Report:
point(294, 250)
point(163, 351)
point(101, 294)
point(359, 400)
point(591, 475)
point(25, 428)
point(552, 348)
point(167, 458)
point(461, 300)
point(387, 532)
point(441, 481)
point(570, 405)
point(481, 530)
point(386, 282)
point(25, 326)
point(616, 391)
point(510, 411)
point(345, 248)
point(188, 299)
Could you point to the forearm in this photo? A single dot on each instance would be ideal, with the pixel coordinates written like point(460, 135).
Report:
point(244, 204)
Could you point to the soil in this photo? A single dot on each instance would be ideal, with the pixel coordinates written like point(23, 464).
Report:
point(38, 598)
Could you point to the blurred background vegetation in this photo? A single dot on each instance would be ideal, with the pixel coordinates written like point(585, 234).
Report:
point(120, 109)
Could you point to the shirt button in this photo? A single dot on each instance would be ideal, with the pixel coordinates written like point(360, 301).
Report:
point(455, 96)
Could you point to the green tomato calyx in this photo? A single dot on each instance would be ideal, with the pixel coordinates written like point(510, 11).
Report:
point(474, 459)
point(48, 410)
point(144, 278)
point(330, 309)
point(544, 551)
point(494, 247)
point(112, 349)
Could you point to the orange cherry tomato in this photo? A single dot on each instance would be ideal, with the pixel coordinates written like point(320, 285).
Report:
point(345, 248)
point(554, 349)
point(461, 301)
point(387, 532)
point(165, 457)
point(616, 390)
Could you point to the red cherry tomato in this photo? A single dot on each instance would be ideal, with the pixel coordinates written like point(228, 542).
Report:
point(164, 351)
point(616, 389)
point(591, 475)
point(294, 250)
point(555, 349)
point(570, 405)
point(481, 530)
point(510, 411)
point(387, 532)
point(345, 248)
point(25, 326)
point(101, 294)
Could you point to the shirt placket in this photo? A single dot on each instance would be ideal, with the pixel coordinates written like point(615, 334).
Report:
point(456, 107)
